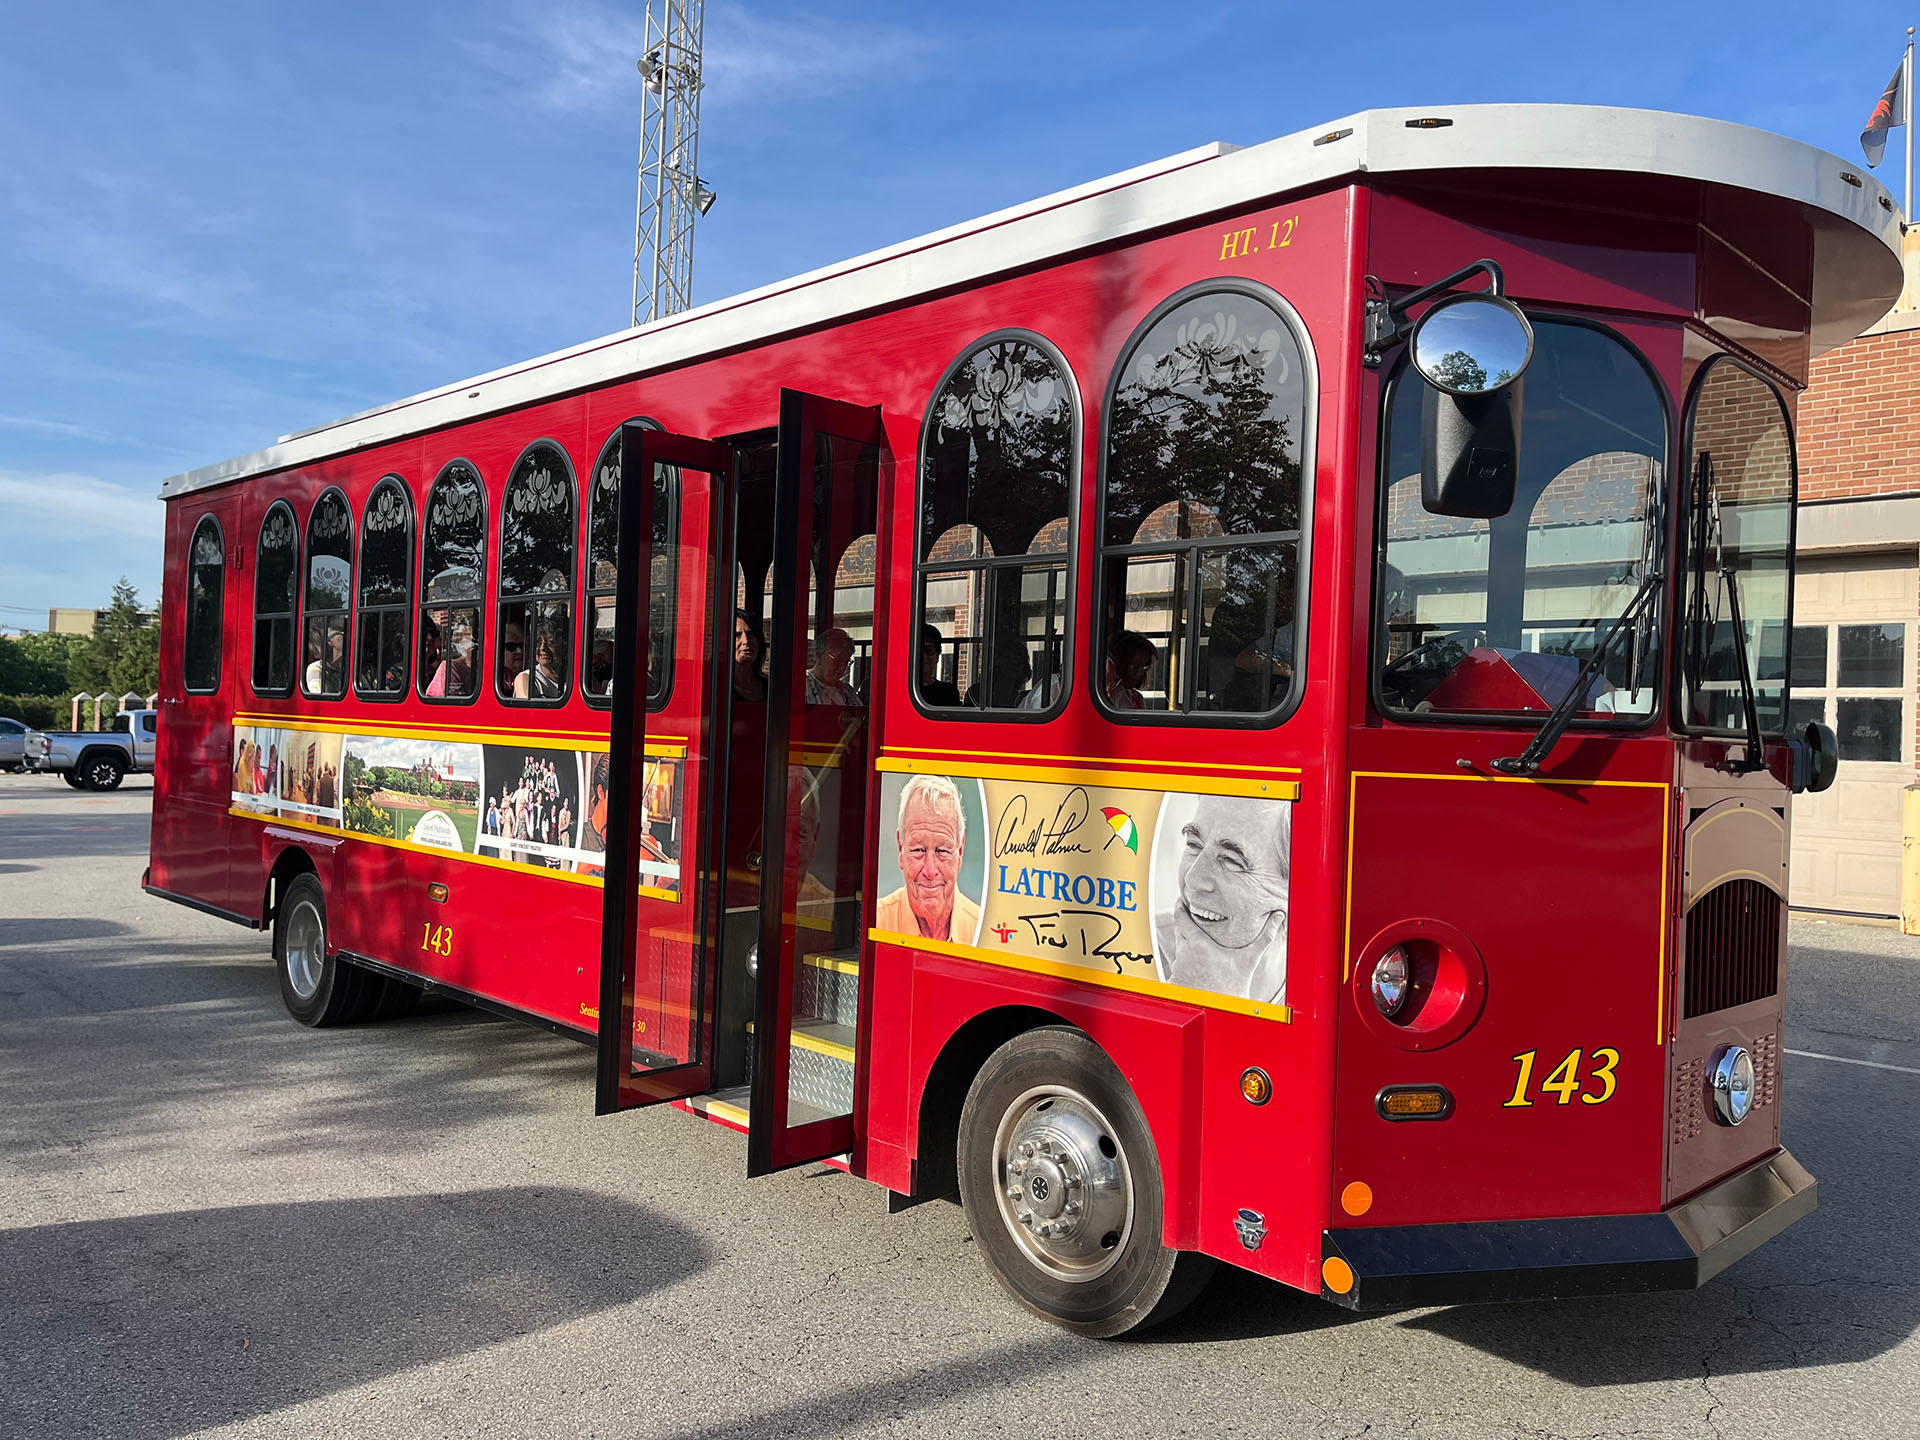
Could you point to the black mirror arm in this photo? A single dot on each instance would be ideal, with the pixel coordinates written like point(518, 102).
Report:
point(1387, 319)
point(1529, 760)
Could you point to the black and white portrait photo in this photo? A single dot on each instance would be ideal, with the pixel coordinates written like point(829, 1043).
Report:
point(1219, 894)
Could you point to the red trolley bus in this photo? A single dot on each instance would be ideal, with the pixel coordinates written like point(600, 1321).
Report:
point(1237, 712)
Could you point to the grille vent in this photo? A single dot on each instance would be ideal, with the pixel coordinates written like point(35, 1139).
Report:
point(1733, 947)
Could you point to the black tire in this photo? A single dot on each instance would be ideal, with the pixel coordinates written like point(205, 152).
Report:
point(396, 1000)
point(317, 987)
point(102, 770)
point(72, 777)
point(1055, 1088)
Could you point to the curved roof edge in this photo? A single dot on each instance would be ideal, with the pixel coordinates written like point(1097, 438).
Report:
point(1186, 186)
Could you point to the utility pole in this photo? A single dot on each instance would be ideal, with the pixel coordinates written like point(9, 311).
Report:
point(672, 194)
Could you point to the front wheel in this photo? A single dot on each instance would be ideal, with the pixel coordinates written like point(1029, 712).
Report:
point(1062, 1188)
point(317, 987)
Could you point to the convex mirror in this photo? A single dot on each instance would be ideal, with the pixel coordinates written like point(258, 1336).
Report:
point(1472, 344)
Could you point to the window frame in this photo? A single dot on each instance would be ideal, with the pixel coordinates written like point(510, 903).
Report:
point(1524, 720)
point(220, 610)
point(406, 607)
point(292, 616)
point(590, 593)
point(1296, 327)
point(307, 612)
point(1076, 453)
point(1682, 557)
point(420, 601)
point(502, 600)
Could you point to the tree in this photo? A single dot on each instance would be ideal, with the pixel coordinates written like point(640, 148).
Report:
point(36, 664)
point(123, 654)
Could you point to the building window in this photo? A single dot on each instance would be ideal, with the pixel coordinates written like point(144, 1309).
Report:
point(386, 591)
point(206, 580)
point(329, 596)
point(1201, 513)
point(1853, 677)
point(995, 531)
point(453, 580)
point(535, 661)
point(276, 585)
point(603, 565)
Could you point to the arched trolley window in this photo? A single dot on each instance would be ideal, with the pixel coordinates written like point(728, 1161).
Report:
point(453, 580)
point(603, 553)
point(329, 596)
point(206, 582)
point(995, 530)
point(386, 592)
point(276, 596)
point(1204, 490)
point(535, 660)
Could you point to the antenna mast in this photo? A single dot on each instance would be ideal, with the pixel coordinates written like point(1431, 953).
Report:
point(672, 194)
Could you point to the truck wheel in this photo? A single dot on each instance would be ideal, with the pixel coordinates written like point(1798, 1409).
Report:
point(318, 987)
point(1062, 1188)
point(72, 777)
point(102, 770)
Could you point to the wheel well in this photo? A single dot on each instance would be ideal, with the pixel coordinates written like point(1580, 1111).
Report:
point(945, 1092)
point(292, 861)
point(93, 750)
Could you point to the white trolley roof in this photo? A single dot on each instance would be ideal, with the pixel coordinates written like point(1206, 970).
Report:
point(1857, 251)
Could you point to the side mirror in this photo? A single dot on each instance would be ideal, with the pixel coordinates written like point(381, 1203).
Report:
point(1816, 759)
point(1473, 351)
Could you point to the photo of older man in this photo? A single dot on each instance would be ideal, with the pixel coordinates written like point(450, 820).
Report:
point(1220, 875)
point(931, 832)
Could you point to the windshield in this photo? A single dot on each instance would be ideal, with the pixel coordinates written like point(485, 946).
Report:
point(1740, 525)
point(1478, 617)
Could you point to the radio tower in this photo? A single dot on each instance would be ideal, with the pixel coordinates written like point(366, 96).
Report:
point(672, 194)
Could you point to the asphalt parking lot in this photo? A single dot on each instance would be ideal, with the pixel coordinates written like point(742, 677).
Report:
point(214, 1222)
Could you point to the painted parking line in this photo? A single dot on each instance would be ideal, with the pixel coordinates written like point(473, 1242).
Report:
point(1846, 1060)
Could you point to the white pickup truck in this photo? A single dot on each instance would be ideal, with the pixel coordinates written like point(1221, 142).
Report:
point(96, 759)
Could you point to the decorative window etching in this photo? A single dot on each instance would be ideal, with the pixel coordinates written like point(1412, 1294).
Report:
point(276, 585)
point(386, 591)
point(534, 651)
point(329, 596)
point(206, 580)
point(453, 570)
point(603, 555)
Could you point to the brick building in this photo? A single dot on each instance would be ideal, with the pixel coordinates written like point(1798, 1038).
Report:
point(1856, 601)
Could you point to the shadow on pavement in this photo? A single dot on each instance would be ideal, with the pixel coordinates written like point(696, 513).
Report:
point(161, 1325)
point(1239, 1305)
point(78, 834)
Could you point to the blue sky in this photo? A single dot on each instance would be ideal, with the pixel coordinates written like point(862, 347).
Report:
point(223, 222)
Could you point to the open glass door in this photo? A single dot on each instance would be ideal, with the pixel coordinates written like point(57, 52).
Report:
point(656, 976)
point(822, 626)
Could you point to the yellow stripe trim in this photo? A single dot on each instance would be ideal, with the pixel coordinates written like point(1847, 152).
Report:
point(909, 750)
point(1666, 889)
point(829, 1048)
point(823, 962)
point(1087, 976)
point(724, 1109)
point(1121, 779)
point(333, 832)
point(668, 747)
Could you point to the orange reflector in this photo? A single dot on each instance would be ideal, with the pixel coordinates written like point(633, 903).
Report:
point(1414, 1102)
point(1357, 1198)
point(436, 891)
point(1255, 1085)
point(1337, 1274)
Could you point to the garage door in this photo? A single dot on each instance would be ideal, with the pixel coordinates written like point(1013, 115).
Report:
point(1853, 667)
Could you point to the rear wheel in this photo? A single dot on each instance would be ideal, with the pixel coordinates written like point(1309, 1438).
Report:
point(318, 987)
point(1062, 1188)
point(72, 777)
point(102, 770)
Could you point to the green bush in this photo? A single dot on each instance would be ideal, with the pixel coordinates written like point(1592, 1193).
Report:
point(42, 712)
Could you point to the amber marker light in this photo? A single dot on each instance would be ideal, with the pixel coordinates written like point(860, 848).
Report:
point(1255, 1085)
point(1337, 1274)
point(1357, 1198)
point(436, 891)
point(1414, 1102)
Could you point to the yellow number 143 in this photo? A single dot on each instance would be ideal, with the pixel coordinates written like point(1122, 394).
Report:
point(1564, 1081)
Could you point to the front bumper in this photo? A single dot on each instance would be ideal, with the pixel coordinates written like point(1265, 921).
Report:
point(1394, 1267)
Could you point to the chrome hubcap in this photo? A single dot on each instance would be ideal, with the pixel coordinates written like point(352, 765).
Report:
point(1064, 1190)
point(306, 949)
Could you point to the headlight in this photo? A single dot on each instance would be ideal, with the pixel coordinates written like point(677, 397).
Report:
point(1732, 1084)
point(1392, 980)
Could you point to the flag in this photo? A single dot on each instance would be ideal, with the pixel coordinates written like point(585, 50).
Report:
point(1891, 111)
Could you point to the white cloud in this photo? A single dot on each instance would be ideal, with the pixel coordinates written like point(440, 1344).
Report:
point(583, 56)
point(77, 508)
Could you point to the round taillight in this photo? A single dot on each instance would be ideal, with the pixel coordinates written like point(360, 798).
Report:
point(1392, 981)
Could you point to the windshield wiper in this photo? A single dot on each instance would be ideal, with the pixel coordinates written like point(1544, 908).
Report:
point(1529, 760)
point(1750, 703)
